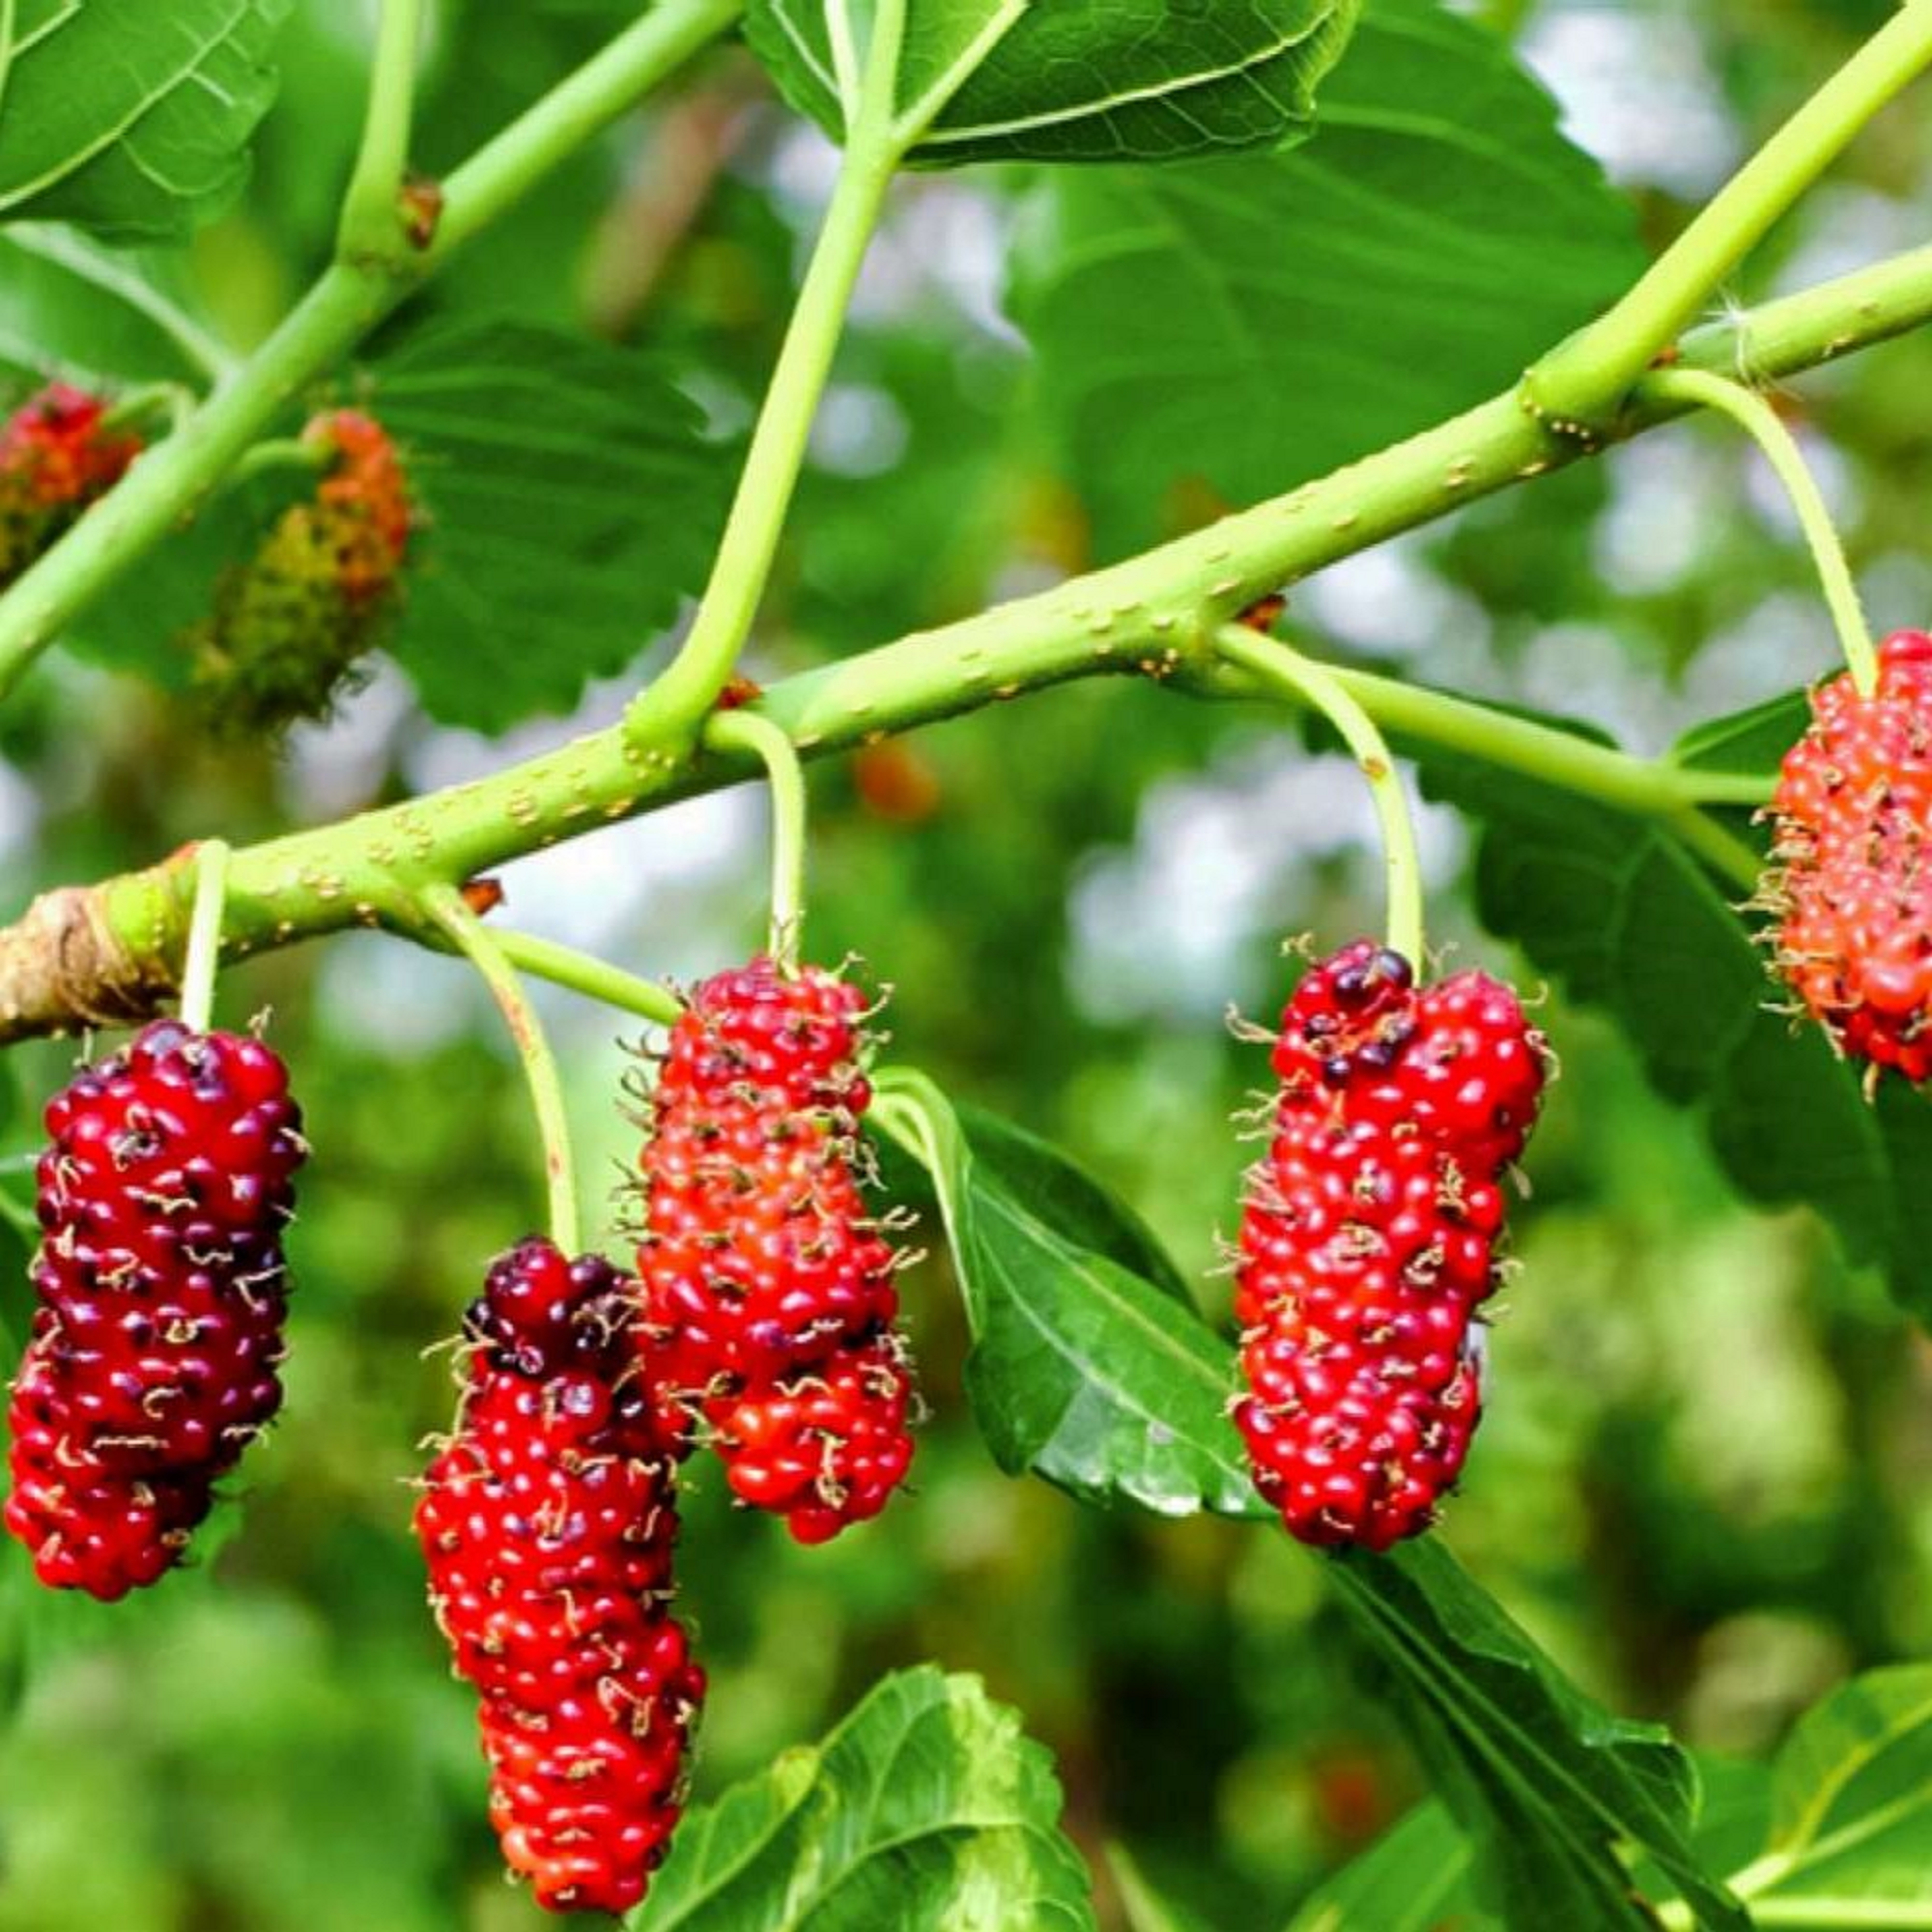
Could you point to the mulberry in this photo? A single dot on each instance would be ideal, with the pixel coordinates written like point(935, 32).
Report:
point(548, 1523)
point(161, 1285)
point(291, 626)
point(1369, 1241)
point(1849, 883)
point(769, 1292)
point(57, 456)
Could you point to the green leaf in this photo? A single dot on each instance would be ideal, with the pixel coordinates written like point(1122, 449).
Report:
point(1852, 1807)
point(129, 118)
point(1618, 911)
point(1747, 742)
point(1029, 80)
point(71, 308)
point(929, 1809)
point(570, 501)
point(1415, 1878)
point(1228, 328)
point(1082, 1370)
point(1147, 1910)
point(1547, 1782)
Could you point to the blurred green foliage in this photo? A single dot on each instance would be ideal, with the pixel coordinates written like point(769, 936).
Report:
point(1702, 1484)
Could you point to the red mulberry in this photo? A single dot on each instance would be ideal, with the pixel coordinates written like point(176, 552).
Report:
point(1848, 880)
point(1369, 1241)
point(161, 1284)
point(56, 457)
point(548, 1523)
point(769, 1292)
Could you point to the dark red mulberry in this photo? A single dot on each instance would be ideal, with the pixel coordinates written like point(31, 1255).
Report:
point(162, 1283)
point(548, 1523)
point(1369, 1239)
point(769, 1292)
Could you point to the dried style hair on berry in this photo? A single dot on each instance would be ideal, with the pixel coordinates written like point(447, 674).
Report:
point(57, 456)
point(769, 1300)
point(291, 626)
point(161, 1285)
point(548, 1523)
point(1849, 885)
point(1369, 1239)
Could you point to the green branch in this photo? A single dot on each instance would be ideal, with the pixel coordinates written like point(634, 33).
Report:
point(112, 951)
point(1304, 682)
point(668, 710)
point(169, 483)
point(1582, 383)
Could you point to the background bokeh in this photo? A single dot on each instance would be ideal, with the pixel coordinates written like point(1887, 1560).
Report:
point(1702, 1483)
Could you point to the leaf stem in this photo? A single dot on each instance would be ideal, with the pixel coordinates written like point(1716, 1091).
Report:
point(372, 228)
point(669, 709)
point(204, 933)
point(1582, 383)
point(1284, 669)
point(446, 905)
point(1760, 421)
point(748, 731)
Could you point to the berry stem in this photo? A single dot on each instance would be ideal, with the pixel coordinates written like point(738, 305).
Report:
point(1582, 383)
point(565, 966)
point(372, 228)
point(1303, 680)
point(282, 452)
point(204, 934)
point(1760, 422)
point(446, 905)
point(747, 732)
point(667, 710)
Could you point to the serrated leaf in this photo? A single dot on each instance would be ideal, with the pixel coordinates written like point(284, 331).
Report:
point(130, 119)
point(1547, 1782)
point(929, 1809)
point(1626, 919)
point(1229, 328)
point(1029, 80)
point(570, 501)
point(1415, 1878)
point(1082, 1370)
point(71, 308)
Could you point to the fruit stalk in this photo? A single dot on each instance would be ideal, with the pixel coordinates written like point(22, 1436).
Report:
point(1286, 671)
point(447, 907)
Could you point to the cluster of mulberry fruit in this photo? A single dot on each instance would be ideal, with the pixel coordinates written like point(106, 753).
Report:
point(57, 455)
point(161, 1286)
point(1369, 1241)
point(291, 626)
point(770, 1301)
point(548, 1524)
point(1850, 883)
